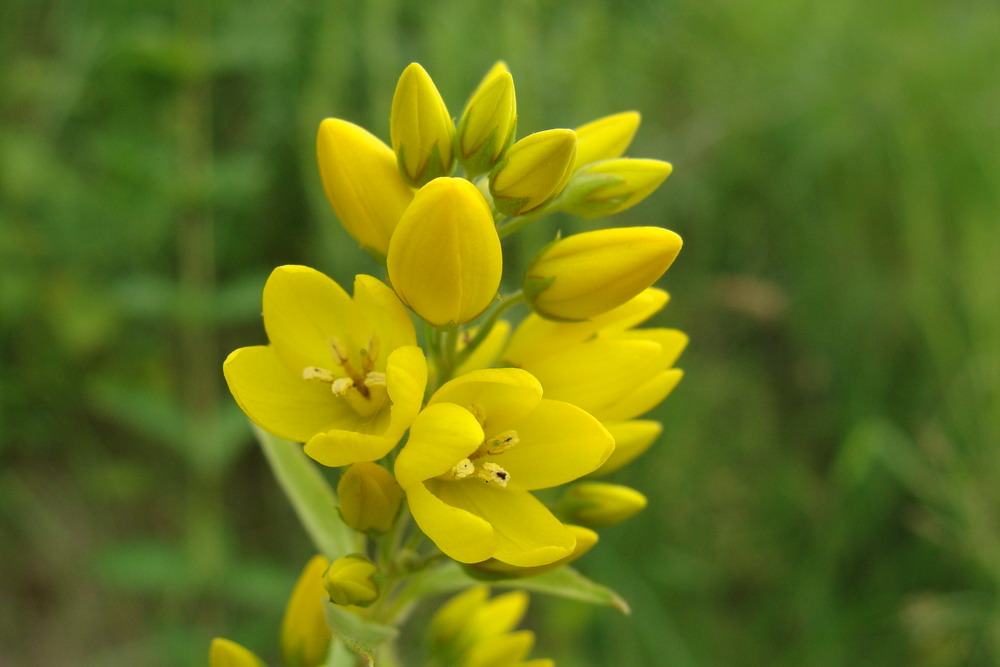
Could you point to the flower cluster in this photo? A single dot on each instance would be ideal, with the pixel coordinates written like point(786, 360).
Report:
point(487, 413)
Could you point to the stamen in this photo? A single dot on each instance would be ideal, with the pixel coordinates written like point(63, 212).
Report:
point(370, 354)
point(375, 379)
point(502, 442)
point(477, 412)
point(340, 386)
point(491, 472)
point(463, 469)
point(357, 378)
point(317, 373)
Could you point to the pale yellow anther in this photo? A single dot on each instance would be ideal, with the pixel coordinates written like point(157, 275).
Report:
point(502, 442)
point(462, 469)
point(341, 386)
point(375, 379)
point(317, 373)
point(491, 472)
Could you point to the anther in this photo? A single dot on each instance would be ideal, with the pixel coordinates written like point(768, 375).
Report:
point(502, 442)
point(462, 469)
point(491, 472)
point(340, 386)
point(375, 379)
point(317, 373)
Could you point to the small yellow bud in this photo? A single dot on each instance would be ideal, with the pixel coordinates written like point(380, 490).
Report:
point(605, 138)
point(599, 504)
point(420, 128)
point(369, 497)
point(533, 171)
point(305, 637)
point(489, 121)
point(350, 580)
point(495, 569)
point(362, 183)
point(588, 274)
point(610, 186)
point(225, 653)
point(445, 259)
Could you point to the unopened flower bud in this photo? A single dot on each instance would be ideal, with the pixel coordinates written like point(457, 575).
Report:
point(599, 504)
point(588, 274)
point(495, 569)
point(605, 138)
point(421, 128)
point(362, 183)
point(351, 581)
point(610, 186)
point(488, 123)
point(533, 171)
point(225, 653)
point(369, 497)
point(305, 637)
point(445, 259)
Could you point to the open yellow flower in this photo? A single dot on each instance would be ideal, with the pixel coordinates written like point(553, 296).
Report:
point(484, 442)
point(342, 375)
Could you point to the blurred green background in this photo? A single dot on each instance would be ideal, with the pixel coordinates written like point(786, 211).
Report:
point(827, 491)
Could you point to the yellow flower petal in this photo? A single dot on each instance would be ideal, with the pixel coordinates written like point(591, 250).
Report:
point(225, 653)
point(442, 435)
point(643, 398)
point(606, 137)
point(632, 438)
point(361, 182)
point(303, 310)
point(559, 443)
point(277, 399)
point(486, 354)
point(585, 541)
point(381, 313)
point(499, 615)
point(500, 396)
point(305, 637)
point(505, 650)
point(672, 342)
point(445, 259)
point(537, 337)
point(453, 616)
point(461, 535)
point(527, 534)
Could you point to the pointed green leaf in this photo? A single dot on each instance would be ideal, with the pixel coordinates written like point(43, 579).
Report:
point(359, 634)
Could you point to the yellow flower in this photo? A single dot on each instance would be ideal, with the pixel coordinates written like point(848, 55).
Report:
point(369, 497)
point(445, 259)
point(305, 637)
point(225, 653)
point(605, 138)
point(489, 122)
point(533, 171)
point(632, 438)
point(484, 442)
point(602, 365)
point(351, 581)
point(611, 186)
point(342, 375)
point(362, 183)
point(600, 504)
point(588, 274)
point(421, 128)
point(471, 630)
point(585, 541)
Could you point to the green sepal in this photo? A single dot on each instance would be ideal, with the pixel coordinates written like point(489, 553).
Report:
point(535, 285)
point(359, 634)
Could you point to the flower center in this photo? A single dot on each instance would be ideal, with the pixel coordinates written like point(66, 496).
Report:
point(487, 471)
point(364, 389)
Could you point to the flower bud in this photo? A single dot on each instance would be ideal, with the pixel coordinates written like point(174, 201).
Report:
point(533, 171)
point(225, 653)
point(610, 186)
point(488, 123)
point(420, 128)
point(350, 580)
point(605, 138)
point(362, 183)
point(445, 259)
point(632, 439)
point(599, 504)
point(588, 274)
point(305, 637)
point(495, 569)
point(369, 497)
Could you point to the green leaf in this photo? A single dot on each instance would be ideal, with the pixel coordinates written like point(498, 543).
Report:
point(564, 582)
point(311, 496)
point(359, 634)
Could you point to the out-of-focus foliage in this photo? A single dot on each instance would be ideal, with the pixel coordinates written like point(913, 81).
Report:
point(827, 489)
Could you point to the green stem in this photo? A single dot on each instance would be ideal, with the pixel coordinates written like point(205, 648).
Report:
point(484, 330)
point(508, 227)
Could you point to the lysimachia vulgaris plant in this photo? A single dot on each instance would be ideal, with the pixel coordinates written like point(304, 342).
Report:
point(467, 447)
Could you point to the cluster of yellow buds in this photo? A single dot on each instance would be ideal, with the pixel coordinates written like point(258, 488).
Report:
point(488, 413)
